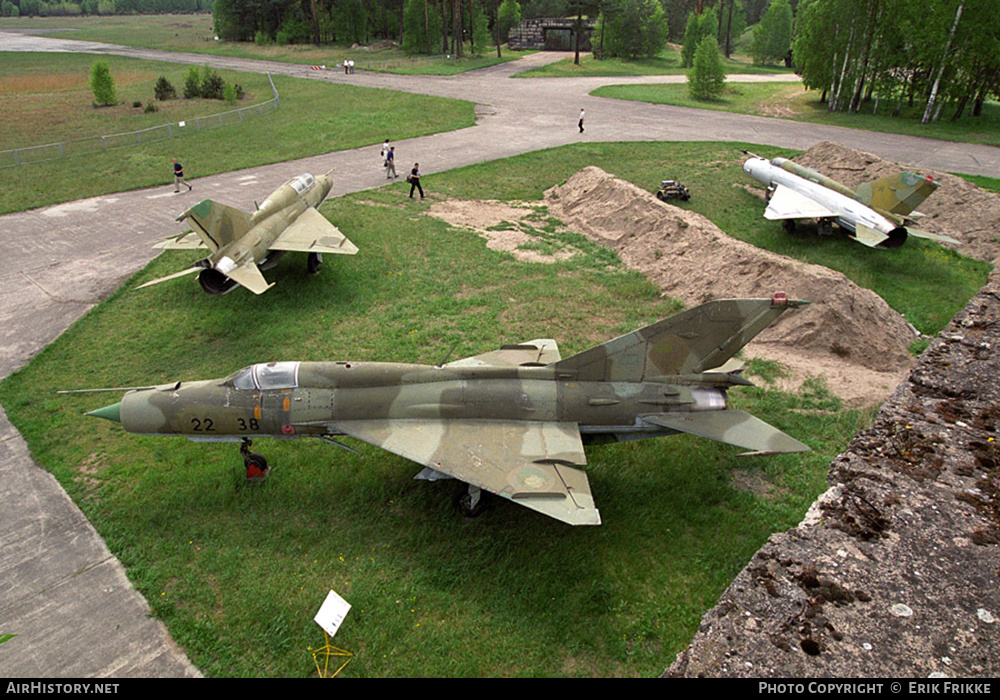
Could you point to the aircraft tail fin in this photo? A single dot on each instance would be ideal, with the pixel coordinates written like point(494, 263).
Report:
point(696, 340)
point(217, 224)
point(897, 194)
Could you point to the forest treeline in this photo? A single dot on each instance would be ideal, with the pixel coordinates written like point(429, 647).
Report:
point(882, 56)
point(889, 54)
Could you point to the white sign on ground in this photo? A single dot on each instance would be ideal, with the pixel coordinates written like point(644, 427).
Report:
point(332, 613)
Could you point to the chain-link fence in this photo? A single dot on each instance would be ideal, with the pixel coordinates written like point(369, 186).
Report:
point(96, 144)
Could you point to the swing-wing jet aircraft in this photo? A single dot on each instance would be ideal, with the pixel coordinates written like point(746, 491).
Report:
point(240, 245)
point(512, 421)
point(877, 213)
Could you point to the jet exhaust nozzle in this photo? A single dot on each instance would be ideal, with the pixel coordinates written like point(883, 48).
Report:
point(897, 237)
point(214, 282)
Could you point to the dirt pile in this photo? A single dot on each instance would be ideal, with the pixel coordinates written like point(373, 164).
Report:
point(893, 572)
point(958, 208)
point(847, 334)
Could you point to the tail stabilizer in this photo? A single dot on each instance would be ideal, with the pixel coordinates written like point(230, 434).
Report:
point(731, 427)
point(693, 341)
point(182, 273)
point(897, 194)
point(939, 237)
point(248, 275)
point(217, 224)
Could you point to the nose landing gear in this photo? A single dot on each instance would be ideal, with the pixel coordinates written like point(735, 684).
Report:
point(255, 464)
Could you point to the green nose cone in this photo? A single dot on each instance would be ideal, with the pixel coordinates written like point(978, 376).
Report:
point(112, 412)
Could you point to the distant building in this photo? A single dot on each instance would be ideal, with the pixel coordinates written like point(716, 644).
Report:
point(550, 34)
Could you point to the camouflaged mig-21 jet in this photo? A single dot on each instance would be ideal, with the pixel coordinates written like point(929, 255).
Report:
point(512, 421)
point(240, 245)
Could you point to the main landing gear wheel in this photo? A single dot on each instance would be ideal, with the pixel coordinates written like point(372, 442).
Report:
point(789, 226)
point(313, 263)
point(255, 464)
point(471, 501)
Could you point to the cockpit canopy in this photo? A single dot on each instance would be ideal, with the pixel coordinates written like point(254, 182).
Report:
point(303, 183)
point(273, 375)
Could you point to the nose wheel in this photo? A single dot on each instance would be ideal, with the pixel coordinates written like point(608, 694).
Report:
point(255, 464)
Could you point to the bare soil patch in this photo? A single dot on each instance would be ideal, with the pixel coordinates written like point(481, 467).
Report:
point(505, 226)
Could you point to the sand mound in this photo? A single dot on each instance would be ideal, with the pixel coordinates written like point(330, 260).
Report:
point(958, 208)
point(848, 334)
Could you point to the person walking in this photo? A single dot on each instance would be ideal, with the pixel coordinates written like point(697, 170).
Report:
point(580, 124)
point(414, 180)
point(390, 163)
point(179, 177)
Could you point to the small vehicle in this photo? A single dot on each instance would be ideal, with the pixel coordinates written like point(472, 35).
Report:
point(671, 189)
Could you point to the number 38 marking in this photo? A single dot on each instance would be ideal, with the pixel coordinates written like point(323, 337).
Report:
point(250, 424)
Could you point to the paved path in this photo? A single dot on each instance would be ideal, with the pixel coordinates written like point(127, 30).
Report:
point(61, 590)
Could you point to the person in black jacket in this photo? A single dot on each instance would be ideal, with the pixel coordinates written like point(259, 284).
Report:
point(414, 180)
point(179, 177)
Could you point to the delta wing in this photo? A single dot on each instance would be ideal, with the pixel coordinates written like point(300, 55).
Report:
point(531, 463)
point(313, 233)
point(786, 203)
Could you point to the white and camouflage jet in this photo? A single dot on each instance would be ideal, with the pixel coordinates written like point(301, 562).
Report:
point(876, 214)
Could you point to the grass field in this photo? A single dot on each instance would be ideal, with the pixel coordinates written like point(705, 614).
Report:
point(45, 97)
point(194, 33)
point(791, 101)
point(237, 572)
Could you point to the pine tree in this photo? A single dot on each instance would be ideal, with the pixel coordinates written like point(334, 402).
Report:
point(707, 78)
point(192, 83)
point(103, 84)
point(163, 89)
point(631, 29)
point(509, 16)
point(772, 37)
point(698, 27)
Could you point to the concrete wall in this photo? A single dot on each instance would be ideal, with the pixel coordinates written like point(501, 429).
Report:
point(549, 34)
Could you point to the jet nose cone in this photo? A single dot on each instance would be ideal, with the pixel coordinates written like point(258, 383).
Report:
point(112, 412)
point(758, 169)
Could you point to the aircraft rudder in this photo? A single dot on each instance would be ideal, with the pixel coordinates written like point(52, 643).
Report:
point(898, 194)
point(217, 224)
point(695, 340)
